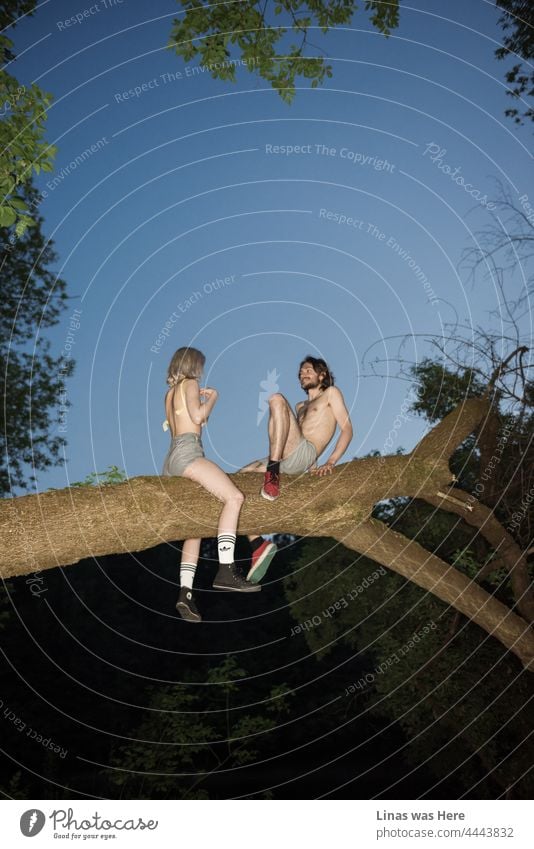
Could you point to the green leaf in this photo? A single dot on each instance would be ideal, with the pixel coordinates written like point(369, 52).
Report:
point(20, 228)
point(7, 216)
point(18, 203)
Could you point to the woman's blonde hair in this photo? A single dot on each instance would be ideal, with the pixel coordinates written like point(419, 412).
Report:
point(185, 362)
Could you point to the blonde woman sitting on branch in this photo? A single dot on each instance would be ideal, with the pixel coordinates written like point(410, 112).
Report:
point(188, 407)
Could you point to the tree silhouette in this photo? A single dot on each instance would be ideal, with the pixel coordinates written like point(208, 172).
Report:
point(32, 380)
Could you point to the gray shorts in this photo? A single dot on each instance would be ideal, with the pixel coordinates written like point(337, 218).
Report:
point(299, 460)
point(185, 448)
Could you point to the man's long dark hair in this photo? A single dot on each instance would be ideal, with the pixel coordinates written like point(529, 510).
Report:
point(320, 367)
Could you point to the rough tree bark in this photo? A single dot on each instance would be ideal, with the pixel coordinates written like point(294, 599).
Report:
point(59, 528)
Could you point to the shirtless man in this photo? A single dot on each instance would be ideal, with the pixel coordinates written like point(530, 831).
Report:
point(296, 442)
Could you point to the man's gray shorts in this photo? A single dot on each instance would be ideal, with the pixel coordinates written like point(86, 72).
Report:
point(185, 448)
point(299, 460)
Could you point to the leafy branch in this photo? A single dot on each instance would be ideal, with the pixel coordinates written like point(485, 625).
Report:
point(207, 33)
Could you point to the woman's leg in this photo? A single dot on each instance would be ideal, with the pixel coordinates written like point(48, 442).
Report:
point(185, 605)
point(212, 478)
point(189, 562)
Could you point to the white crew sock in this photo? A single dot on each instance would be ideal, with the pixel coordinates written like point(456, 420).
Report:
point(226, 546)
point(187, 574)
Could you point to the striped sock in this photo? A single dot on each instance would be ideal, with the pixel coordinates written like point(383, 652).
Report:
point(187, 574)
point(226, 546)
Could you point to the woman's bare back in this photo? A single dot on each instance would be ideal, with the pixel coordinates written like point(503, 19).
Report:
point(176, 410)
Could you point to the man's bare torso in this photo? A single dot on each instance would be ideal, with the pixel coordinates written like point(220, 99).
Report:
point(317, 421)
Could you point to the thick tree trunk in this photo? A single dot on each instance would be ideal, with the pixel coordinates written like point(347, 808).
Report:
point(64, 526)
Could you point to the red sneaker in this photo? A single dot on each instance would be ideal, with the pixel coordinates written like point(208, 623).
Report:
point(260, 561)
point(271, 486)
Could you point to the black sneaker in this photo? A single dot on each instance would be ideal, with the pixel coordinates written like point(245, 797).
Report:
point(229, 578)
point(186, 606)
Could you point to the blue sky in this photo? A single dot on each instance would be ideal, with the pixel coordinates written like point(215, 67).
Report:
point(189, 202)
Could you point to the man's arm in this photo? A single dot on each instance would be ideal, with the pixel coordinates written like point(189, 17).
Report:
point(341, 414)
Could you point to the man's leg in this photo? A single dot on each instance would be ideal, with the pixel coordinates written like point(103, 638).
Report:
point(255, 466)
point(284, 436)
point(284, 432)
point(263, 551)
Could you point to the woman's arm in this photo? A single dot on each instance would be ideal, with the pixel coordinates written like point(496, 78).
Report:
point(199, 413)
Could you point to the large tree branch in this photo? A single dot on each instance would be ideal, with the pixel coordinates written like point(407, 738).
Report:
point(406, 557)
point(454, 429)
point(64, 526)
point(510, 555)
